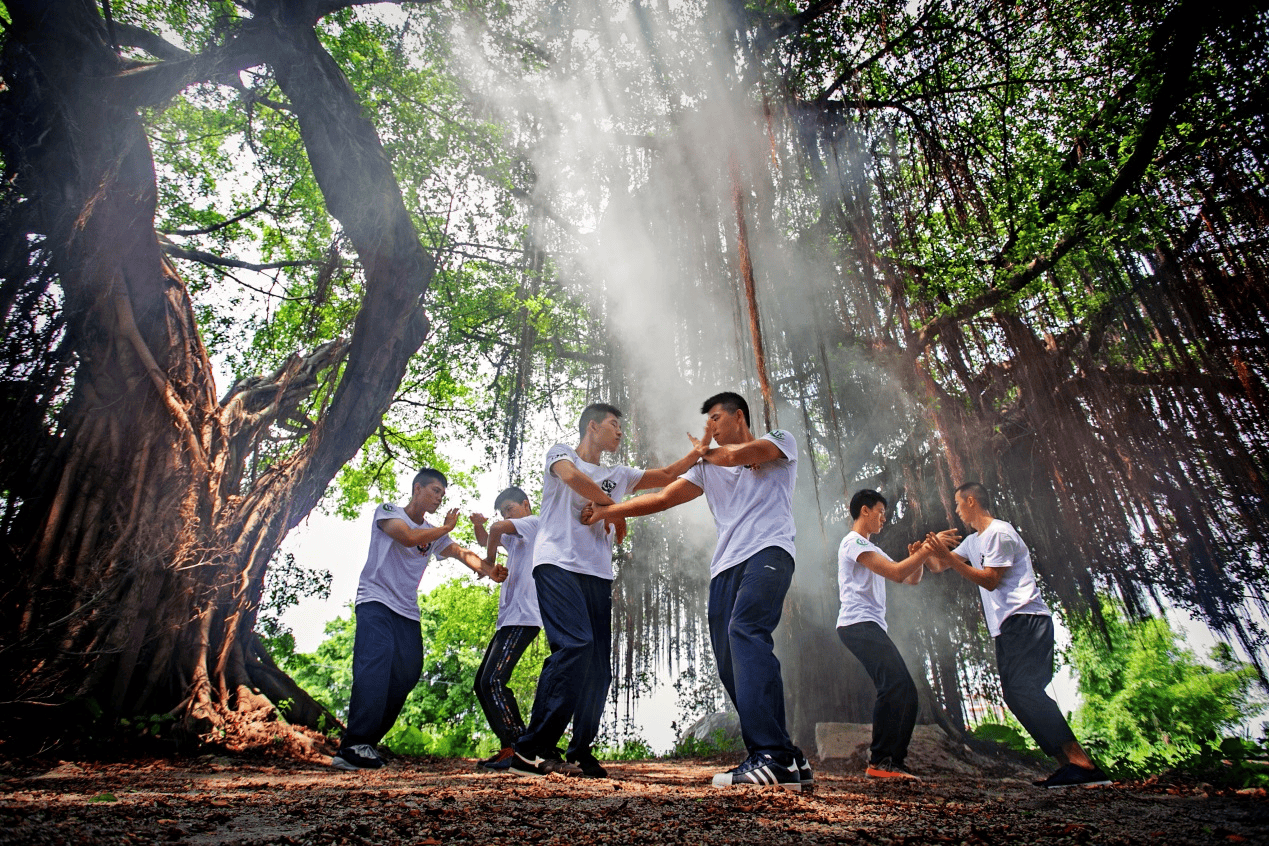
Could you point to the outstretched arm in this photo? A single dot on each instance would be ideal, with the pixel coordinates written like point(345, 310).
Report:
point(676, 493)
point(907, 571)
point(987, 578)
point(662, 476)
point(473, 561)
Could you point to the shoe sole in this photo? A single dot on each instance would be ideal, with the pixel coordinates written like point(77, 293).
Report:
point(348, 766)
point(524, 773)
point(793, 788)
point(888, 775)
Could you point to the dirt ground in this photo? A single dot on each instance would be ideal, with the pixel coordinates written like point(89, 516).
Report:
point(262, 800)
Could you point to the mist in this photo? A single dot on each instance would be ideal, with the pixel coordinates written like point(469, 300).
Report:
point(650, 147)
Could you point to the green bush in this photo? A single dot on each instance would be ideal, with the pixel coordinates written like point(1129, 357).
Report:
point(718, 743)
point(442, 716)
point(1150, 704)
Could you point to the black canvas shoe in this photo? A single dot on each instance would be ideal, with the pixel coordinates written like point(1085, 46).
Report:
point(1073, 776)
point(360, 757)
point(499, 760)
point(590, 766)
point(537, 766)
point(805, 774)
point(762, 770)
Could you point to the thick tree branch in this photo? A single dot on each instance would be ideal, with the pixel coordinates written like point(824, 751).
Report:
point(220, 261)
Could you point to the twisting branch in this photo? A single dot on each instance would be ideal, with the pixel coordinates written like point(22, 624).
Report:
point(1182, 31)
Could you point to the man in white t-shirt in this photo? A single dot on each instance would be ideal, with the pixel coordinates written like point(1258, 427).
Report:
point(572, 568)
point(388, 644)
point(995, 558)
point(862, 571)
point(519, 619)
point(748, 483)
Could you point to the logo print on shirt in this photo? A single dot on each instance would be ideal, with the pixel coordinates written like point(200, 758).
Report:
point(423, 549)
point(607, 486)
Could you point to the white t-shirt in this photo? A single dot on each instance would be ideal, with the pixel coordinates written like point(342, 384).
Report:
point(999, 545)
point(752, 506)
point(562, 539)
point(862, 592)
point(518, 600)
point(392, 572)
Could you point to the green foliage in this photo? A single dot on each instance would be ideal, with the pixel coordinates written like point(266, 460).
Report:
point(326, 673)
point(1010, 733)
point(623, 742)
point(285, 584)
point(1148, 702)
point(442, 715)
point(718, 743)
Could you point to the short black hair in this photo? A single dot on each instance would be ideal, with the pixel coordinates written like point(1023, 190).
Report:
point(597, 412)
point(512, 495)
point(865, 498)
point(978, 492)
point(429, 474)
point(730, 401)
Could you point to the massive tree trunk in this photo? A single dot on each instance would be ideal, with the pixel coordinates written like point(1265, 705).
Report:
point(138, 550)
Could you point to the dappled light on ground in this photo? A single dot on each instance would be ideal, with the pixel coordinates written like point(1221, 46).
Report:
point(221, 800)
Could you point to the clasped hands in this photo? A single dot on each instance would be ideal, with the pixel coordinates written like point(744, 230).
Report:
point(938, 546)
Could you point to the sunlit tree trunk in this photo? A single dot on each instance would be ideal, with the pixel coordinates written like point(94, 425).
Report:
point(140, 550)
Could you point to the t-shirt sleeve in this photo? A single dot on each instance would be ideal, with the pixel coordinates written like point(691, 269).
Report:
point(436, 547)
point(999, 549)
point(967, 550)
point(784, 441)
point(852, 548)
point(526, 527)
point(558, 452)
point(630, 478)
point(387, 511)
point(696, 474)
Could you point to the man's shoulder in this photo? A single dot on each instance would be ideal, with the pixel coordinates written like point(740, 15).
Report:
point(853, 545)
point(390, 511)
point(560, 452)
point(1001, 528)
point(783, 439)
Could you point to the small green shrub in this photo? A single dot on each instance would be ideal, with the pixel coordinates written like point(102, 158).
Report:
point(717, 743)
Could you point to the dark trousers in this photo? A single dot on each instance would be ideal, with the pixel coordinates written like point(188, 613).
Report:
point(387, 662)
point(1024, 654)
point(577, 618)
point(895, 711)
point(745, 602)
point(492, 690)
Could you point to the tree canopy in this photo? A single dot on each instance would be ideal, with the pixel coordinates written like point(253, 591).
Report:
point(1022, 243)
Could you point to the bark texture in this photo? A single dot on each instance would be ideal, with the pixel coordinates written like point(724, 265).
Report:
point(137, 546)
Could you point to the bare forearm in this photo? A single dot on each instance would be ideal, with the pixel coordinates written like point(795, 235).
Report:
point(495, 538)
point(662, 476)
point(421, 536)
point(984, 578)
point(736, 455)
point(639, 506)
point(473, 561)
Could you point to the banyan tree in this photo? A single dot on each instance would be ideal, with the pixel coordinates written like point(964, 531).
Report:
point(1022, 243)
